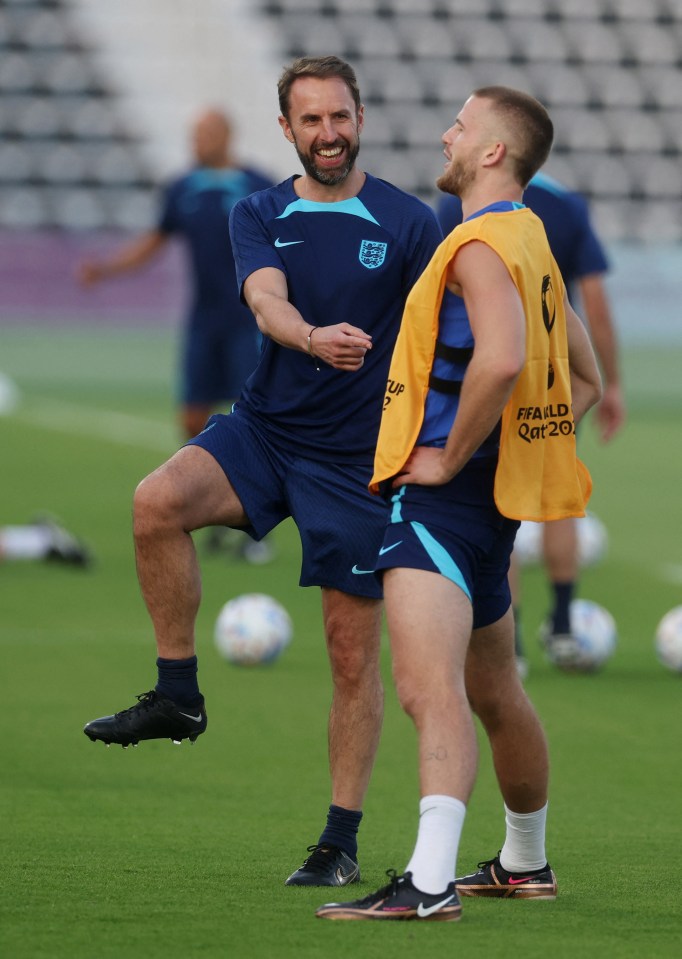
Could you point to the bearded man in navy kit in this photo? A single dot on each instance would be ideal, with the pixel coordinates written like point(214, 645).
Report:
point(325, 262)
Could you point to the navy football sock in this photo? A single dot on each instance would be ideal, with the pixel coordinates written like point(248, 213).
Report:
point(563, 594)
point(178, 680)
point(342, 830)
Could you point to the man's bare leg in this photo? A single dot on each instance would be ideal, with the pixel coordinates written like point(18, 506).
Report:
point(188, 492)
point(521, 762)
point(516, 736)
point(353, 632)
point(429, 620)
point(560, 550)
point(193, 418)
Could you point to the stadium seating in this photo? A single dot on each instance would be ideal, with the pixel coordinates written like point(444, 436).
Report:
point(609, 70)
point(66, 159)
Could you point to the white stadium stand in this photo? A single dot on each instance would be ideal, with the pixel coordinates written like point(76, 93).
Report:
point(95, 97)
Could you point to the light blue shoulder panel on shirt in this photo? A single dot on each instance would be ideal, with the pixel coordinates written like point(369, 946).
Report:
point(353, 206)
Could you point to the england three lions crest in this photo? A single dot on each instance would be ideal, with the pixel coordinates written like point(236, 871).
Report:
point(372, 254)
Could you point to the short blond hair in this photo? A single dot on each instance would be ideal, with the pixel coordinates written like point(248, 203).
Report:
point(531, 125)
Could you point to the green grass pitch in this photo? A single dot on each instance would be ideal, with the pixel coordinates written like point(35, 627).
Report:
point(168, 851)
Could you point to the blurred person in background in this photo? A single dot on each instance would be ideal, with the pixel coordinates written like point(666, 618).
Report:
point(221, 346)
point(583, 264)
point(325, 260)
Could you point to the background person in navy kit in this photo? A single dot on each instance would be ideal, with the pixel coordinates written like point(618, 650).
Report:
point(220, 345)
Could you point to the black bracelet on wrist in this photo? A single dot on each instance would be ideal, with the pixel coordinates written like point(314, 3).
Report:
point(310, 347)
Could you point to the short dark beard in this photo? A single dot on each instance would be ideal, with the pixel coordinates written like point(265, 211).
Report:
point(331, 177)
point(455, 181)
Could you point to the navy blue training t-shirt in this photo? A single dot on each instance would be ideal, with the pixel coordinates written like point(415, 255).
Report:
point(352, 261)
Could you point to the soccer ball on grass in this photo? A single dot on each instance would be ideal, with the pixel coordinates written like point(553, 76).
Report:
point(668, 640)
point(252, 629)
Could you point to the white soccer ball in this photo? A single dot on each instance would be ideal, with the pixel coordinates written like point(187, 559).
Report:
point(592, 540)
point(592, 640)
point(252, 629)
point(668, 640)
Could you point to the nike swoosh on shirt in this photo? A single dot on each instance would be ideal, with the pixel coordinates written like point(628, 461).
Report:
point(387, 549)
point(280, 243)
point(362, 572)
point(197, 719)
point(424, 911)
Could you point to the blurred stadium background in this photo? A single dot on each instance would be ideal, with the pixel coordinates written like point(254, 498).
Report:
point(95, 100)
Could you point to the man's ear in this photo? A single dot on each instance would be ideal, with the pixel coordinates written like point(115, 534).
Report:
point(494, 153)
point(286, 129)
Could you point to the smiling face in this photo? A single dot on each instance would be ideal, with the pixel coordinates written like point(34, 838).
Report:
point(324, 127)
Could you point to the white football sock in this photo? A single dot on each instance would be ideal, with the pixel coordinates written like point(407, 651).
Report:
point(25, 542)
point(524, 845)
point(434, 858)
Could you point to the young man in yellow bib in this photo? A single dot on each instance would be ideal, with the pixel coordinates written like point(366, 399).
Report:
point(491, 371)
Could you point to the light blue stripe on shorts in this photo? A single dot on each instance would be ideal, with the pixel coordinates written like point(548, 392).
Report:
point(440, 557)
point(396, 513)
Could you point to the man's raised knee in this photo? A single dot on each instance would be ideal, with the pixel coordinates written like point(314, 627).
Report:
point(154, 506)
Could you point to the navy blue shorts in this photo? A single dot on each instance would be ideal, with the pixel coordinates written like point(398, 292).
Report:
point(455, 530)
point(340, 522)
point(217, 362)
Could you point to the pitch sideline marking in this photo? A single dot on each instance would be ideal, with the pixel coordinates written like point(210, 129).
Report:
point(123, 429)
